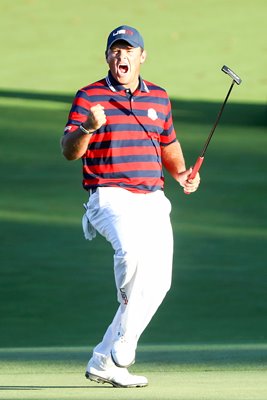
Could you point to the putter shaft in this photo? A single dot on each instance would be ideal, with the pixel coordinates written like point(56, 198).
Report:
point(217, 121)
point(200, 159)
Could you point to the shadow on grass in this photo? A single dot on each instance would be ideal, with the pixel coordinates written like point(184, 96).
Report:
point(192, 111)
point(26, 387)
point(205, 355)
point(50, 276)
point(155, 356)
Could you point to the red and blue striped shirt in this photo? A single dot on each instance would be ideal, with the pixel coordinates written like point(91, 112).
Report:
point(126, 151)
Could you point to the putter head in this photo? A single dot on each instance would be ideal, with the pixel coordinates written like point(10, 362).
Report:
point(231, 73)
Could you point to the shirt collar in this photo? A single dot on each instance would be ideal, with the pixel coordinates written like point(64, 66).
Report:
point(115, 86)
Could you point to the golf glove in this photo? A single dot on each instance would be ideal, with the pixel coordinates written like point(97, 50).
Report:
point(88, 229)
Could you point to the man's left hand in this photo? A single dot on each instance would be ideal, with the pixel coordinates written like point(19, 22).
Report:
point(189, 185)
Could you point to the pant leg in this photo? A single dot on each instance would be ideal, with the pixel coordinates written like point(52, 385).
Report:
point(157, 255)
point(109, 211)
point(139, 229)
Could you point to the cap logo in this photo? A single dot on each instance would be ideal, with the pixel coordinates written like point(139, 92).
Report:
point(123, 32)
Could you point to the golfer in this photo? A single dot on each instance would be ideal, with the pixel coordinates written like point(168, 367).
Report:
point(121, 127)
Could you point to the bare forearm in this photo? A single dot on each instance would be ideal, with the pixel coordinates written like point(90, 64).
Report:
point(75, 144)
point(173, 159)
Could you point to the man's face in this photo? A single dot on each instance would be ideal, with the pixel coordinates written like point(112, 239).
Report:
point(124, 62)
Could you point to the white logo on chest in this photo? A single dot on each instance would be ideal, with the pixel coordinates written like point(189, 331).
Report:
point(152, 114)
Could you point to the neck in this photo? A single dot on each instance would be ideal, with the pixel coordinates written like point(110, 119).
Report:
point(132, 86)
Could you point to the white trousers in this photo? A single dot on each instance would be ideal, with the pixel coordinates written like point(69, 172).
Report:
point(139, 230)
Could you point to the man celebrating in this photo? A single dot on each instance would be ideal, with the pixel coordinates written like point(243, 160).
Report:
point(121, 127)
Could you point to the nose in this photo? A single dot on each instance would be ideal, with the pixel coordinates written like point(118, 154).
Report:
point(122, 54)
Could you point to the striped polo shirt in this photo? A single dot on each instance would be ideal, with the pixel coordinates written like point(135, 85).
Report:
point(126, 151)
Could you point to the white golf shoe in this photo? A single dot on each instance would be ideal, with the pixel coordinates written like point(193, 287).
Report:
point(123, 352)
point(107, 372)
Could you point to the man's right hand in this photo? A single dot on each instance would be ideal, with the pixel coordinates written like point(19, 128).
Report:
point(74, 145)
point(96, 118)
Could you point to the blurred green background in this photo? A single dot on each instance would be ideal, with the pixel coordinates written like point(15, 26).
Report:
point(56, 289)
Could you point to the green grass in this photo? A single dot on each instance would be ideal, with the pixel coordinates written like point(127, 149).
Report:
point(59, 45)
point(50, 276)
point(218, 372)
point(56, 290)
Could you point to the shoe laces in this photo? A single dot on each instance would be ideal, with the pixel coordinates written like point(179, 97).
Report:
point(122, 339)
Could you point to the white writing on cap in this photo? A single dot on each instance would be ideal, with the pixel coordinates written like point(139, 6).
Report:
point(123, 32)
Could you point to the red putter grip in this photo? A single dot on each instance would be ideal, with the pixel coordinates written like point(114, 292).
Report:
point(195, 170)
point(196, 167)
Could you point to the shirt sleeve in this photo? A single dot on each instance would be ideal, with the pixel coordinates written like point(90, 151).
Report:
point(78, 112)
point(168, 135)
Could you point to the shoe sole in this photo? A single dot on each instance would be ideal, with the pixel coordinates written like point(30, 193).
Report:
point(99, 379)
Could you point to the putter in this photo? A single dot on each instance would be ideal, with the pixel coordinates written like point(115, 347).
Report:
point(200, 159)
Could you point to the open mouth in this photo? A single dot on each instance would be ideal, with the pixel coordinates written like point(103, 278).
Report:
point(123, 68)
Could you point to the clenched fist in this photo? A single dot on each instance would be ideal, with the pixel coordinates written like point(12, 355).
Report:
point(96, 118)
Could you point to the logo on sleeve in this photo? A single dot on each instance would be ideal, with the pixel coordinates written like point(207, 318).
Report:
point(152, 114)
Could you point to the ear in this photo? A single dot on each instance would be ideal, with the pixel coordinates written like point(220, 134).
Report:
point(143, 57)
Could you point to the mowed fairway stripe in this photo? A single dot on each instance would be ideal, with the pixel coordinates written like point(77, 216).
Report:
point(34, 217)
point(185, 385)
point(181, 372)
point(193, 229)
